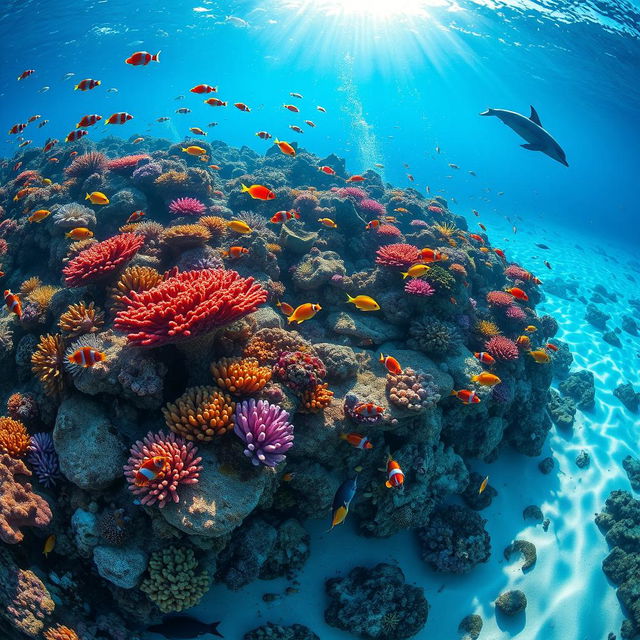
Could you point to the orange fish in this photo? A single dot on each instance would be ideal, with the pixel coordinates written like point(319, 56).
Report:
point(395, 476)
point(283, 216)
point(485, 358)
point(49, 544)
point(215, 167)
point(87, 357)
point(88, 120)
point(135, 216)
point(328, 170)
point(355, 179)
point(291, 107)
point(524, 342)
point(142, 58)
point(258, 192)
point(285, 307)
point(483, 485)
point(215, 102)
point(477, 238)
point(87, 84)
point(13, 302)
point(138, 141)
point(54, 160)
point(264, 135)
point(486, 379)
point(328, 222)
point(241, 105)
point(466, 396)
point(401, 210)
point(551, 347)
point(76, 135)
point(357, 440)
point(79, 233)
point(203, 88)
point(22, 193)
point(372, 224)
point(391, 364)
point(484, 250)
point(431, 255)
point(197, 131)
point(235, 252)
point(39, 215)
point(285, 147)
point(149, 470)
point(310, 123)
point(304, 312)
point(517, 293)
point(118, 118)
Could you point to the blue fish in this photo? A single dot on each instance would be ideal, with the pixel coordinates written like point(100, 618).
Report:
point(342, 500)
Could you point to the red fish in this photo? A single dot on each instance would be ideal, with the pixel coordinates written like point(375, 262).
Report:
point(235, 252)
point(368, 409)
point(89, 120)
point(524, 342)
point(149, 470)
point(264, 135)
point(17, 165)
point(87, 357)
point(291, 107)
point(50, 144)
point(466, 396)
point(204, 88)
point(551, 347)
point(434, 209)
point(477, 238)
point(395, 476)
point(285, 307)
point(355, 179)
point(17, 128)
point(296, 128)
point(517, 293)
point(34, 118)
point(26, 74)
point(241, 105)
point(322, 109)
point(310, 123)
point(482, 226)
point(328, 170)
point(118, 118)
point(372, 224)
point(13, 303)
point(135, 216)
point(215, 102)
point(87, 84)
point(76, 135)
point(357, 440)
point(142, 58)
point(392, 365)
point(484, 357)
point(500, 253)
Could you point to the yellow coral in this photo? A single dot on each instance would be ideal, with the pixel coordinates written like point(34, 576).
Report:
point(76, 247)
point(171, 179)
point(46, 363)
point(215, 225)
point(200, 413)
point(29, 285)
point(487, 328)
point(315, 399)
point(79, 319)
point(447, 230)
point(60, 632)
point(240, 376)
point(133, 279)
point(14, 438)
point(42, 295)
point(184, 236)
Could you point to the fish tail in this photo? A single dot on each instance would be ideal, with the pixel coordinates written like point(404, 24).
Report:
point(349, 298)
point(76, 87)
point(453, 393)
point(244, 188)
point(88, 196)
point(388, 485)
point(405, 274)
point(156, 58)
point(290, 319)
point(381, 358)
point(488, 112)
point(98, 82)
point(475, 378)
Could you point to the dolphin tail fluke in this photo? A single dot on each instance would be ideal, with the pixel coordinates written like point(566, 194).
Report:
point(488, 112)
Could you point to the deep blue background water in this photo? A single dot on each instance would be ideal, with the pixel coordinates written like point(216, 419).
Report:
point(394, 89)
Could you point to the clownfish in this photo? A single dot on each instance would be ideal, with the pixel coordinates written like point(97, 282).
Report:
point(149, 470)
point(357, 440)
point(395, 475)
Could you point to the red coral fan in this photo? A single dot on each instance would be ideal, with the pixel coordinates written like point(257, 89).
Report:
point(371, 207)
point(186, 305)
point(514, 312)
point(502, 348)
point(351, 192)
point(126, 164)
point(187, 207)
point(86, 164)
point(399, 255)
point(101, 259)
point(181, 468)
point(389, 231)
point(4, 246)
point(499, 299)
point(514, 272)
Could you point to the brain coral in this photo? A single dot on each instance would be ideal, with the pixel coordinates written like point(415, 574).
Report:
point(101, 259)
point(186, 305)
point(182, 467)
point(200, 413)
point(412, 390)
point(241, 376)
point(14, 438)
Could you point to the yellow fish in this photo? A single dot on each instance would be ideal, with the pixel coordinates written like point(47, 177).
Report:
point(304, 312)
point(238, 226)
point(540, 356)
point(364, 303)
point(49, 544)
point(416, 271)
point(39, 215)
point(97, 198)
point(483, 486)
point(193, 150)
point(530, 329)
point(328, 222)
point(486, 379)
point(46, 181)
point(79, 233)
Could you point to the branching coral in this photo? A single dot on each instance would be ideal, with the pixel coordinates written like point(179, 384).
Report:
point(186, 207)
point(299, 370)
point(14, 438)
point(315, 399)
point(43, 459)
point(399, 255)
point(46, 363)
point(86, 164)
point(200, 413)
point(173, 584)
point(183, 236)
point(133, 279)
point(412, 390)
point(79, 319)
point(182, 467)
point(101, 259)
point(240, 376)
point(186, 305)
point(265, 430)
point(502, 348)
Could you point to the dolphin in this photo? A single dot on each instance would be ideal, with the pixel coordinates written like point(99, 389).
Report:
point(538, 139)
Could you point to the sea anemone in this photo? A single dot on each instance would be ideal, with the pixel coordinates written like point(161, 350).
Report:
point(86, 164)
point(41, 296)
point(418, 287)
point(14, 438)
point(29, 285)
point(240, 376)
point(399, 255)
point(43, 459)
point(72, 215)
point(79, 319)
point(502, 348)
point(446, 230)
point(187, 207)
point(487, 328)
point(215, 225)
point(46, 363)
point(133, 279)
point(265, 430)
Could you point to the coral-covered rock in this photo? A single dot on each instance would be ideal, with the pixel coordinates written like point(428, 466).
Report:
point(120, 566)
point(364, 329)
point(628, 396)
point(272, 631)
point(581, 387)
point(511, 603)
point(561, 410)
point(632, 467)
point(524, 547)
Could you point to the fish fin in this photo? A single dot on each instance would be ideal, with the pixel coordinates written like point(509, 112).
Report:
point(388, 484)
point(88, 196)
point(276, 141)
point(531, 147)
point(157, 56)
point(213, 629)
point(453, 393)
point(76, 87)
point(475, 378)
point(98, 82)
point(534, 117)
point(488, 112)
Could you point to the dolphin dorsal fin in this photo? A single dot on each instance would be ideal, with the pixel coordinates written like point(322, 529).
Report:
point(534, 117)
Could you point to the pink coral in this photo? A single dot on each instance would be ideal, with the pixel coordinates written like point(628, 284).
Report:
point(419, 287)
point(186, 305)
point(126, 164)
point(19, 505)
point(502, 348)
point(306, 201)
point(4, 246)
point(351, 192)
point(389, 230)
point(515, 272)
point(182, 467)
point(371, 207)
point(499, 299)
point(514, 312)
point(101, 259)
point(398, 255)
point(187, 207)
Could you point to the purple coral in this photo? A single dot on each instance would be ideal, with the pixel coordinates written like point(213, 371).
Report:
point(418, 223)
point(266, 431)
point(502, 348)
point(419, 287)
point(43, 459)
point(514, 312)
point(182, 467)
point(351, 192)
point(146, 173)
point(371, 207)
point(187, 207)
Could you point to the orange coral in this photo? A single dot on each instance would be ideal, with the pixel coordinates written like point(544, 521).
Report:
point(240, 376)
point(14, 438)
point(315, 399)
point(487, 328)
point(79, 319)
point(41, 296)
point(215, 225)
point(267, 344)
point(29, 285)
point(76, 247)
point(458, 269)
point(184, 236)
point(133, 279)
point(46, 363)
point(60, 632)
point(200, 413)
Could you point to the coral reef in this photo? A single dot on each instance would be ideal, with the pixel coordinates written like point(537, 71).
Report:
point(271, 631)
point(526, 548)
point(14, 438)
point(412, 390)
point(46, 363)
point(79, 319)
point(43, 459)
point(511, 603)
point(240, 376)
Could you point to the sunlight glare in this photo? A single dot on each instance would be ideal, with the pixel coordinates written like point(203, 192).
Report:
point(378, 8)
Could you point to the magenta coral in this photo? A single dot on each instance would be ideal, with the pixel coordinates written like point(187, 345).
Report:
point(187, 305)
point(502, 348)
point(419, 287)
point(182, 467)
point(514, 312)
point(371, 207)
point(515, 272)
point(126, 164)
point(187, 207)
point(499, 299)
point(351, 192)
point(101, 259)
point(389, 231)
point(398, 255)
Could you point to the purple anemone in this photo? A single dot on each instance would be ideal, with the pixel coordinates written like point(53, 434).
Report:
point(43, 459)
